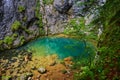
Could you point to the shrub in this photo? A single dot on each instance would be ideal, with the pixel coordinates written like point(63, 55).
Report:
point(21, 8)
point(47, 2)
point(22, 40)
point(16, 25)
point(25, 19)
point(14, 35)
point(1, 41)
point(8, 40)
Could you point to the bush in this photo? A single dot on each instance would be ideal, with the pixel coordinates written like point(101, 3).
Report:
point(86, 74)
point(14, 35)
point(8, 40)
point(16, 25)
point(47, 2)
point(21, 8)
point(1, 41)
point(22, 40)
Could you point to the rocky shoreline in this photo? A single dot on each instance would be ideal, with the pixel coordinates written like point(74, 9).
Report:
point(22, 65)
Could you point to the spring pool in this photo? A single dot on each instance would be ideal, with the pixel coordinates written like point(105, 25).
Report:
point(63, 47)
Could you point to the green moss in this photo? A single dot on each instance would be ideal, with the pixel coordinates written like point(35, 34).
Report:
point(8, 40)
point(21, 8)
point(47, 2)
point(16, 25)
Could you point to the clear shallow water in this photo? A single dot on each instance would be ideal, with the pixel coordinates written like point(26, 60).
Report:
point(63, 47)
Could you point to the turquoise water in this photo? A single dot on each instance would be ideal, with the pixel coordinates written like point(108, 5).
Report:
point(63, 47)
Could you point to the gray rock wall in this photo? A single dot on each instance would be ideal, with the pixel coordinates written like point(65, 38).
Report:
point(57, 14)
point(22, 11)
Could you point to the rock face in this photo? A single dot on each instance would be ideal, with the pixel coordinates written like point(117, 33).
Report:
point(9, 12)
point(63, 6)
point(57, 14)
point(22, 11)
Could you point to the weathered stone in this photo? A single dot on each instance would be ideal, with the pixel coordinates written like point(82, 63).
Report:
point(42, 70)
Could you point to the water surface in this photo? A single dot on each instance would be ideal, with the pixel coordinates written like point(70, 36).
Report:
point(63, 47)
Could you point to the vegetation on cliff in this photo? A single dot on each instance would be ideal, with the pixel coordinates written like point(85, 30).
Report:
point(107, 65)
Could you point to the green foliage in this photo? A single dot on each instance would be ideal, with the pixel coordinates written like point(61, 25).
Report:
point(85, 59)
point(26, 30)
point(8, 40)
point(22, 40)
point(25, 18)
point(108, 44)
point(108, 12)
point(21, 8)
point(16, 25)
point(74, 26)
point(39, 16)
point(39, 22)
point(47, 2)
point(42, 32)
point(14, 35)
point(86, 74)
point(1, 41)
point(77, 26)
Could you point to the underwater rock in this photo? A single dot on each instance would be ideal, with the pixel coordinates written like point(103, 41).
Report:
point(42, 70)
